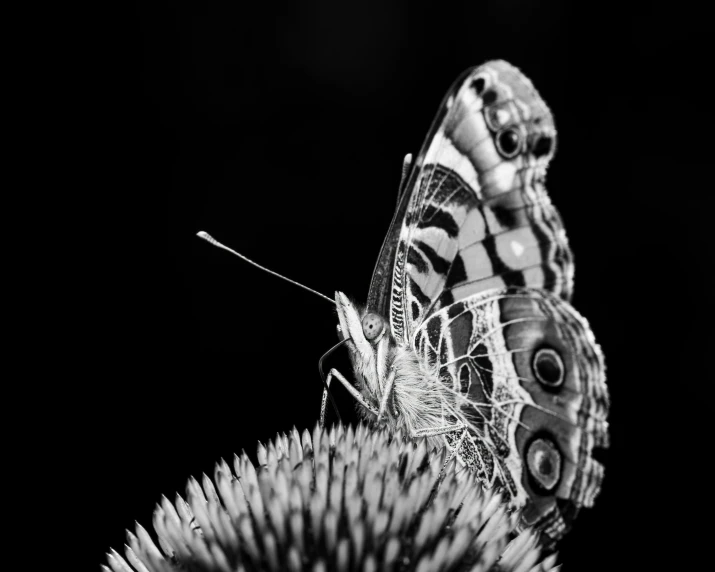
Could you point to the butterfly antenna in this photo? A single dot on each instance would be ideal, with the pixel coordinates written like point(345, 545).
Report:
point(208, 238)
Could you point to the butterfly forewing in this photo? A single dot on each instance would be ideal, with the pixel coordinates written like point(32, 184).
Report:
point(476, 214)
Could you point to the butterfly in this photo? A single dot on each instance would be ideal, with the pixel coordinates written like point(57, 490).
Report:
point(468, 337)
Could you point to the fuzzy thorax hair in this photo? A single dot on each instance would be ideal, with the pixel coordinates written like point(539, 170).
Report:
point(418, 399)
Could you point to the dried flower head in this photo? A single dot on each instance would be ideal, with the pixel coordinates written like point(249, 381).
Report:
point(341, 499)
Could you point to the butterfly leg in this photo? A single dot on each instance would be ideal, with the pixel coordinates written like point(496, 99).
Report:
point(349, 386)
point(434, 431)
point(324, 403)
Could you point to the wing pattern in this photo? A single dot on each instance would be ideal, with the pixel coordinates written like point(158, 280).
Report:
point(528, 373)
point(480, 278)
point(478, 215)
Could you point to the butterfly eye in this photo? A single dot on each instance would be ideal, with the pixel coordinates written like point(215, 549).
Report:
point(544, 462)
point(548, 367)
point(372, 326)
point(508, 142)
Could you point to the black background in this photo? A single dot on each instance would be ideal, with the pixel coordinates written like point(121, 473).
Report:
point(281, 132)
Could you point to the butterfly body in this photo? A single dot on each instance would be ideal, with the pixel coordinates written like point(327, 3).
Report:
point(469, 337)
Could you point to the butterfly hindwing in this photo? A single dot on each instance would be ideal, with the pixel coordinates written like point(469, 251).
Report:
point(532, 378)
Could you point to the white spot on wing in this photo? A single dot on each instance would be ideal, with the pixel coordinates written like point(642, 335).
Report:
point(518, 248)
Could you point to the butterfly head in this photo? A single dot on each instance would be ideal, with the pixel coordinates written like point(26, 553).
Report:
point(371, 346)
